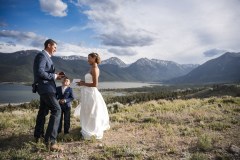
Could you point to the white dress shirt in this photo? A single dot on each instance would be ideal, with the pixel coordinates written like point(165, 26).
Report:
point(55, 75)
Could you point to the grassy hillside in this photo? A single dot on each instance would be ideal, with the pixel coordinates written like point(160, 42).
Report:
point(195, 129)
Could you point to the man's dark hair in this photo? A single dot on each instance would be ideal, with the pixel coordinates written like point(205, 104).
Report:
point(49, 41)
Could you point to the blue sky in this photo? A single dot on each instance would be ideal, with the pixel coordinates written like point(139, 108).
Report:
point(186, 31)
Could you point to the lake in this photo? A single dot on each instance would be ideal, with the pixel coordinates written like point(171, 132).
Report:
point(19, 93)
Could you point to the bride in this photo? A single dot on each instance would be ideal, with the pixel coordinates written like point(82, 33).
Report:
point(94, 118)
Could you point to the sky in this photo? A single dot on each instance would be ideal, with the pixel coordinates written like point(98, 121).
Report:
point(183, 31)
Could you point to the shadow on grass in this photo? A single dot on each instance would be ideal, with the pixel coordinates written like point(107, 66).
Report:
point(18, 141)
point(74, 135)
point(15, 141)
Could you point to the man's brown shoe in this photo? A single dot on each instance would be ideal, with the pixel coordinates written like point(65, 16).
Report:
point(56, 147)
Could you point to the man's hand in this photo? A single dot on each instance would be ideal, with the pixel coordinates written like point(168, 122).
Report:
point(61, 101)
point(60, 76)
point(62, 73)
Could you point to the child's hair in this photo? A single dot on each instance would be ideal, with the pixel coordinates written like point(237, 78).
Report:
point(66, 78)
point(98, 59)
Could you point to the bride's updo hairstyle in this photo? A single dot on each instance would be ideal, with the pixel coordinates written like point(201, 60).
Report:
point(98, 59)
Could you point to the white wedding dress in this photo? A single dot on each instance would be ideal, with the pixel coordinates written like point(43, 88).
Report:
point(94, 118)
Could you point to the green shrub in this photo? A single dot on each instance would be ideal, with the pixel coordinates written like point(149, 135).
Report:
point(236, 110)
point(198, 156)
point(23, 153)
point(75, 103)
point(117, 153)
point(228, 101)
point(218, 126)
point(204, 143)
point(211, 101)
point(34, 103)
point(150, 120)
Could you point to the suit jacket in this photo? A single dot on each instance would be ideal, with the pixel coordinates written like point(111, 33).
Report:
point(67, 95)
point(43, 71)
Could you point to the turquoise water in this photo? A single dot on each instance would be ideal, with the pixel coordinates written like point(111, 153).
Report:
point(16, 93)
point(19, 93)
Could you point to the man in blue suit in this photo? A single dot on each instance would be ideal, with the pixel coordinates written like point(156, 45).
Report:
point(65, 97)
point(44, 81)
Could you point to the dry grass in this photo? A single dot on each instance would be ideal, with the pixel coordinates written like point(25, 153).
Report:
point(180, 129)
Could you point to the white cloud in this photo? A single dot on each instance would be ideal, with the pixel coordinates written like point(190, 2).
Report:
point(122, 52)
point(24, 38)
point(67, 49)
point(73, 29)
point(214, 52)
point(124, 39)
point(55, 8)
point(180, 31)
point(10, 47)
point(12, 41)
point(172, 30)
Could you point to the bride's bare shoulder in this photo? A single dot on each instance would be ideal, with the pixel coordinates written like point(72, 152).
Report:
point(95, 68)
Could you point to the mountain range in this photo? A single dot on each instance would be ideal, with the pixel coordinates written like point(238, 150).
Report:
point(17, 67)
point(224, 69)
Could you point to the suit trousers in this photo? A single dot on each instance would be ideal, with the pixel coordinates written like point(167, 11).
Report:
point(48, 102)
point(65, 116)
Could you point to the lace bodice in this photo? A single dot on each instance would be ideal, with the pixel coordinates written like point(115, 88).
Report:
point(88, 78)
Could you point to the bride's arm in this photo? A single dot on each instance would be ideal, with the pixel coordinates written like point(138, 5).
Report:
point(95, 74)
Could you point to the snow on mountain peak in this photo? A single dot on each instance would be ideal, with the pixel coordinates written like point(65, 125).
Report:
point(163, 62)
point(144, 62)
point(73, 57)
point(114, 61)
